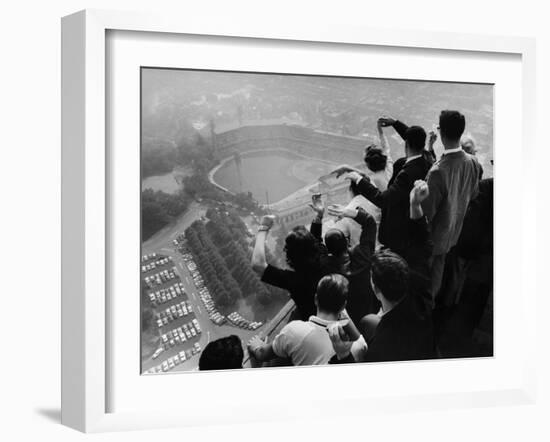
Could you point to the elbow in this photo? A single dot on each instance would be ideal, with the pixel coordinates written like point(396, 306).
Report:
point(259, 267)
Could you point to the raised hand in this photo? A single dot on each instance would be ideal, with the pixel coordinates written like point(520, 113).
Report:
point(267, 222)
point(419, 192)
point(341, 211)
point(340, 342)
point(354, 176)
point(432, 138)
point(385, 121)
point(340, 170)
point(317, 205)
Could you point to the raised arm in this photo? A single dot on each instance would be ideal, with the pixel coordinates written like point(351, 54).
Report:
point(420, 245)
point(399, 126)
point(367, 239)
point(419, 193)
point(432, 138)
point(318, 207)
point(382, 137)
point(399, 187)
point(259, 261)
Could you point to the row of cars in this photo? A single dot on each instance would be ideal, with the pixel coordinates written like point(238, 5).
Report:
point(215, 316)
point(166, 294)
point(161, 277)
point(148, 257)
point(173, 312)
point(236, 319)
point(181, 334)
point(155, 264)
point(171, 340)
point(175, 360)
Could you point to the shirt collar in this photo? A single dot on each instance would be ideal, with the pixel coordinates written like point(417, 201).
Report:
point(319, 321)
point(448, 151)
point(414, 157)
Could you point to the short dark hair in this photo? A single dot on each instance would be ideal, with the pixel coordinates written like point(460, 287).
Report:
point(390, 273)
point(301, 249)
point(416, 137)
point(375, 159)
point(451, 124)
point(332, 293)
point(336, 242)
point(222, 354)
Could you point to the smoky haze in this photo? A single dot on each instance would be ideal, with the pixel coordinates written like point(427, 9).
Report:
point(176, 104)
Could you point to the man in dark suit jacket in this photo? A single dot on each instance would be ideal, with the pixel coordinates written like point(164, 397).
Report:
point(401, 128)
point(394, 201)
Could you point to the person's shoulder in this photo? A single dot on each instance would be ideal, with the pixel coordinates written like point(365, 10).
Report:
point(436, 172)
point(399, 162)
point(474, 160)
point(296, 328)
point(417, 164)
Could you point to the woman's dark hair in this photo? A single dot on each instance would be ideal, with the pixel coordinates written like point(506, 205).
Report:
point(222, 354)
point(390, 273)
point(375, 159)
point(302, 249)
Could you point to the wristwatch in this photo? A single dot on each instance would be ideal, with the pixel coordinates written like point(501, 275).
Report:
point(263, 228)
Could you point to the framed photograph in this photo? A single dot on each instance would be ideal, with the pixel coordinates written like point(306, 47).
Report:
point(250, 212)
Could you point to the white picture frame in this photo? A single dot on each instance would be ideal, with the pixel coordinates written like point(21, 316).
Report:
point(85, 199)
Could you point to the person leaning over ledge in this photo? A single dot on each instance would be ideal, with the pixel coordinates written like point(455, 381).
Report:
point(403, 329)
point(307, 342)
point(303, 257)
point(352, 262)
point(394, 201)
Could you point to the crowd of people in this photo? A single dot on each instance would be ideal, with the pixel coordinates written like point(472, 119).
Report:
point(407, 278)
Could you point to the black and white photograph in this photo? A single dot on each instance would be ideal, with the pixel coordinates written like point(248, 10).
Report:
point(303, 220)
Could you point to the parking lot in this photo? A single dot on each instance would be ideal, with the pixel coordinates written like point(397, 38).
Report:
point(163, 244)
point(178, 327)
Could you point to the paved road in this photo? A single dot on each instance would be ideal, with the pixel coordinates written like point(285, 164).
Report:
point(164, 238)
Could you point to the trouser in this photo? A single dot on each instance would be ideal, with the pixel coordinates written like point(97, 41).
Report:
point(437, 266)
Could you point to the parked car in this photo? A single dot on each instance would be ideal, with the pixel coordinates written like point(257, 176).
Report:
point(157, 352)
